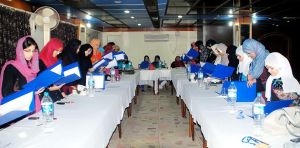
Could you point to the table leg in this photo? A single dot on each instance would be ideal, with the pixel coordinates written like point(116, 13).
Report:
point(177, 100)
point(172, 87)
point(182, 109)
point(120, 130)
point(129, 110)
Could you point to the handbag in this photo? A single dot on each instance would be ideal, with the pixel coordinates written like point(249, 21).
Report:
point(283, 121)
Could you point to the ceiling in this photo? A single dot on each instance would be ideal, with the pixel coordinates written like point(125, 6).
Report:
point(165, 13)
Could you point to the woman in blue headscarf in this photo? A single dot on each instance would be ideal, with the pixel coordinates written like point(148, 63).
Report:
point(257, 73)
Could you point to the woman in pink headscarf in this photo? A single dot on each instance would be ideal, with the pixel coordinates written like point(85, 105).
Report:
point(23, 69)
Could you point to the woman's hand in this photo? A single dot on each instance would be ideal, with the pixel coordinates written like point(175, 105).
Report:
point(91, 69)
point(55, 87)
point(251, 82)
point(40, 91)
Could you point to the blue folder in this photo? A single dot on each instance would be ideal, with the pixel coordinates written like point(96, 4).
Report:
point(208, 68)
point(17, 112)
point(222, 71)
point(99, 79)
point(244, 93)
point(68, 78)
point(144, 65)
point(195, 68)
point(101, 63)
point(193, 53)
point(185, 58)
point(274, 105)
point(47, 77)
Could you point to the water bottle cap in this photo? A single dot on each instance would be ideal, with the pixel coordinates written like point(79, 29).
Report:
point(46, 94)
point(231, 82)
point(259, 94)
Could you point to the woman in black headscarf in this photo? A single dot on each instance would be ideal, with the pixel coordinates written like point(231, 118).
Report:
point(85, 64)
point(69, 54)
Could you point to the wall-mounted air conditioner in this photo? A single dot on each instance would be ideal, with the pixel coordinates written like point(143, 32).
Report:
point(156, 37)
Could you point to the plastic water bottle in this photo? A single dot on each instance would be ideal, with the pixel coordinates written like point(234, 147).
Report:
point(200, 77)
point(112, 74)
point(47, 108)
point(232, 94)
point(258, 112)
point(91, 85)
point(159, 64)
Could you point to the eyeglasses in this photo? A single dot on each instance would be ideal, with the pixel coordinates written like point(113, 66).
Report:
point(251, 140)
point(33, 51)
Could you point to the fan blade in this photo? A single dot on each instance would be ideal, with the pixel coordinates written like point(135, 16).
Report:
point(39, 20)
point(54, 20)
point(47, 12)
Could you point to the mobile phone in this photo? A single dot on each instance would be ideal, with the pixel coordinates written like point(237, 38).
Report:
point(295, 140)
point(33, 118)
point(60, 103)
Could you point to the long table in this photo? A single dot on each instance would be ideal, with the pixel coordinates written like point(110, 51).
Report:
point(148, 76)
point(220, 128)
point(82, 122)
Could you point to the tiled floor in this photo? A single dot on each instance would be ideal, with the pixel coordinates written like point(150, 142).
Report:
point(156, 122)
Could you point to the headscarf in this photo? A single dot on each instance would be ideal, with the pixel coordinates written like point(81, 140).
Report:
point(69, 54)
point(95, 43)
point(28, 69)
point(244, 65)
point(46, 54)
point(221, 59)
point(84, 61)
point(257, 65)
point(279, 62)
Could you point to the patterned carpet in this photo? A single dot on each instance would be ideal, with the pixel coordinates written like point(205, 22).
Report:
point(156, 122)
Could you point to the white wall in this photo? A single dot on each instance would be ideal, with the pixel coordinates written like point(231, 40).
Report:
point(136, 48)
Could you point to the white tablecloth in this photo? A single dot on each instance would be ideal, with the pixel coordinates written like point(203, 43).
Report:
point(86, 122)
point(148, 76)
point(220, 127)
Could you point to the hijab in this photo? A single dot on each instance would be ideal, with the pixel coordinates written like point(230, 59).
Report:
point(221, 59)
point(279, 62)
point(46, 54)
point(244, 65)
point(69, 54)
point(258, 63)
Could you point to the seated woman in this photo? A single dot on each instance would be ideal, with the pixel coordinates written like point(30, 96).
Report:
point(156, 62)
point(281, 84)
point(68, 56)
point(85, 63)
point(48, 57)
point(244, 63)
point(177, 63)
point(220, 51)
point(146, 63)
point(23, 69)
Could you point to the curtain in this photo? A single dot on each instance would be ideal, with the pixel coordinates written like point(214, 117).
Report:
point(14, 24)
point(65, 32)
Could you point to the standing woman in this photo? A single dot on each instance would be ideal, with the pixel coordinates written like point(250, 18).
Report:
point(85, 64)
point(258, 73)
point(281, 84)
point(48, 57)
point(96, 53)
point(23, 69)
point(244, 63)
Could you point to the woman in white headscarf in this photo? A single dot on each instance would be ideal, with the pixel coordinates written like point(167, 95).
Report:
point(281, 84)
point(220, 51)
point(244, 63)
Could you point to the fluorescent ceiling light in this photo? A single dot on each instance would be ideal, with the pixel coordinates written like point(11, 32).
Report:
point(126, 11)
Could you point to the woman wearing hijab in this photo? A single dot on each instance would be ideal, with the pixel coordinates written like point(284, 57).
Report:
point(146, 63)
point(244, 63)
point(48, 57)
point(208, 53)
point(156, 61)
point(220, 51)
point(23, 69)
point(257, 73)
point(281, 84)
point(85, 64)
point(69, 54)
point(95, 43)
point(177, 63)
point(233, 61)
